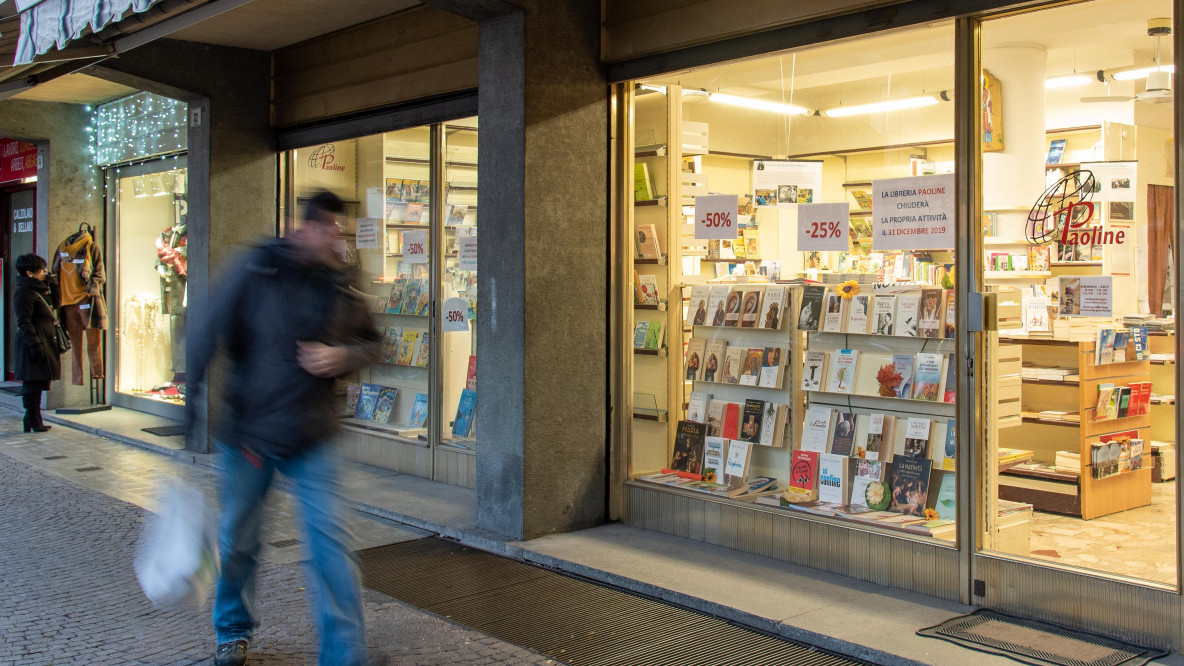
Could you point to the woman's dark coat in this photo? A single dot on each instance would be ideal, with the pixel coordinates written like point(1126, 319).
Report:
point(35, 350)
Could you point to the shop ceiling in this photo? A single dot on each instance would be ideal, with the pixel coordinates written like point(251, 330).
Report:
point(265, 25)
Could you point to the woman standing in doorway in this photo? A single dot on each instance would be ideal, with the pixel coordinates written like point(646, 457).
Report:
point(37, 359)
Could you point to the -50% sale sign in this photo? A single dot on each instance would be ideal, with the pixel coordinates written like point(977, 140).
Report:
point(823, 227)
point(715, 216)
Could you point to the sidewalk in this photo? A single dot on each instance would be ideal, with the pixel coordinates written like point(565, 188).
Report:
point(833, 612)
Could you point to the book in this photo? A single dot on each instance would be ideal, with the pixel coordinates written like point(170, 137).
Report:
point(716, 302)
point(419, 411)
point(647, 242)
point(816, 429)
point(423, 350)
point(902, 365)
point(884, 314)
point(1101, 407)
point(1056, 150)
point(1040, 258)
point(693, 363)
point(471, 376)
point(752, 243)
point(643, 184)
point(833, 484)
point(456, 215)
point(863, 199)
point(772, 368)
point(733, 360)
point(908, 307)
point(880, 437)
point(750, 428)
point(731, 427)
point(715, 417)
point(410, 297)
point(950, 394)
point(867, 472)
point(640, 330)
point(842, 441)
point(407, 348)
point(773, 307)
point(750, 308)
point(916, 437)
point(647, 290)
point(832, 316)
point(697, 310)
point(713, 358)
point(949, 451)
point(814, 370)
point(736, 465)
point(803, 474)
point(859, 314)
point(697, 407)
point(841, 378)
point(367, 401)
point(714, 455)
point(810, 315)
point(385, 404)
point(950, 322)
point(1139, 338)
point(352, 393)
point(425, 299)
point(732, 307)
point(931, 315)
point(689, 443)
point(391, 338)
point(751, 373)
point(394, 304)
point(1124, 401)
point(910, 485)
point(946, 503)
point(772, 424)
point(654, 336)
point(462, 425)
point(1104, 346)
point(928, 376)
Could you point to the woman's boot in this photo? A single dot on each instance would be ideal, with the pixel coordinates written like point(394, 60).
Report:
point(32, 405)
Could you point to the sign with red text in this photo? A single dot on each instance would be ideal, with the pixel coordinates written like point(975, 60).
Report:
point(913, 213)
point(466, 252)
point(456, 314)
point(823, 227)
point(367, 229)
point(18, 160)
point(715, 216)
point(415, 246)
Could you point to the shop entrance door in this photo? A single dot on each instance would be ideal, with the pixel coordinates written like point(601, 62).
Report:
point(1074, 498)
point(20, 239)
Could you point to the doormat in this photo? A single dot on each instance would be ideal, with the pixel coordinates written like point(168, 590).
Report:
point(1035, 642)
point(165, 431)
point(571, 620)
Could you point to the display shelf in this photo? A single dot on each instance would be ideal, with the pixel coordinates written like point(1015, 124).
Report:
point(650, 150)
point(859, 184)
point(1003, 240)
point(660, 201)
point(398, 159)
point(1016, 275)
point(741, 386)
point(880, 398)
point(461, 188)
point(878, 335)
point(400, 225)
point(447, 255)
point(650, 306)
point(1161, 361)
point(1051, 382)
point(400, 314)
point(1070, 264)
point(1064, 165)
point(728, 261)
point(650, 352)
point(659, 416)
point(1051, 422)
point(403, 433)
point(860, 213)
point(658, 261)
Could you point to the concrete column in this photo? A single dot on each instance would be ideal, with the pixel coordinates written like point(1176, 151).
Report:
point(543, 282)
point(1014, 177)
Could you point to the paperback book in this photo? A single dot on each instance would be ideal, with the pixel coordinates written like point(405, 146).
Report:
point(908, 306)
point(928, 377)
point(833, 484)
point(878, 445)
point(716, 304)
point(714, 456)
point(732, 306)
point(810, 316)
point(419, 411)
point(750, 429)
point(916, 437)
point(750, 308)
point(733, 362)
point(832, 318)
point(385, 404)
point(697, 407)
point(814, 370)
point(689, 441)
point(843, 440)
point(929, 324)
point(693, 363)
point(751, 373)
point(910, 485)
point(463, 424)
point(700, 297)
point(773, 307)
point(842, 371)
point(367, 401)
point(884, 313)
point(772, 368)
point(902, 365)
point(859, 313)
point(816, 429)
point(803, 476)
point(713, 359)
point(736, 467)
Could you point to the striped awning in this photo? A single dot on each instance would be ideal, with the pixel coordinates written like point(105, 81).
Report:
point(48, 24)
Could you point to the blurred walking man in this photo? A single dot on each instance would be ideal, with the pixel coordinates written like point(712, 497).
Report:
point(290, 322)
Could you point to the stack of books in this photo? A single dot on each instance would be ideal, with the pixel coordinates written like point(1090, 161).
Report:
point(1067, 461)
point(1050, 374)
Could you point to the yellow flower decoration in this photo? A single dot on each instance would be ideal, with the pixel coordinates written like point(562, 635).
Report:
point(849, 289)
point(930, 514)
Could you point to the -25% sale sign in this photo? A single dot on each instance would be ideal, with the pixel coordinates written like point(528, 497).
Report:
point(823, 227)
point(715, 216)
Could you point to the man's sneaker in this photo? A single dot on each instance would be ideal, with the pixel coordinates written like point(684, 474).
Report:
point(231, 653)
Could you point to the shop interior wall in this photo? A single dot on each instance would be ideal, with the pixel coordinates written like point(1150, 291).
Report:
point(414, 54)
point(69, 190)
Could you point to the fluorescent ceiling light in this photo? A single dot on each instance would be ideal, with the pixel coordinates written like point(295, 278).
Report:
point(653, 88)
point(759, 104)
point(1069, 81)
point(888, 105)
point(1140, 72)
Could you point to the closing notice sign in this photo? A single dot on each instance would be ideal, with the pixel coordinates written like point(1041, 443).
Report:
point(913, 213)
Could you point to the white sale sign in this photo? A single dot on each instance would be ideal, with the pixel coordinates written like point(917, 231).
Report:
point(415, 246)
point(913, 213)
point(715, 216)
point(823, 227)
point(456, 315)
point(467, 252)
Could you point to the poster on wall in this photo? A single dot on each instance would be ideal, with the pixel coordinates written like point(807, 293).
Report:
point(992, 109)
point(914, 213)
point(1086, 296)
point(1114, 182)
point(823, 227)
point(785, 183)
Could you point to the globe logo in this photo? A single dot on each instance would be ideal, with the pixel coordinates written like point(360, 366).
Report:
point(322, 158)
point(1064, 205)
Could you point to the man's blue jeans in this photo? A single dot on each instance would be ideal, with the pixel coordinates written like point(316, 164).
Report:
point(334, 577)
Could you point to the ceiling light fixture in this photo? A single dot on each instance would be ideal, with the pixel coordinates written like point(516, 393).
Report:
point(652, 88)
point(759, 104)
point(887, 105)
point(1069, 81)
point(1128, 74)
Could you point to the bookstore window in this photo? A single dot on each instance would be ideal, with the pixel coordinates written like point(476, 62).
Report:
point(1077, 233)
point(793, 319)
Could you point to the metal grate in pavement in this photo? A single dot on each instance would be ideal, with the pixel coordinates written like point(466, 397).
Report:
point(92, 468)
point(284, 543)
point(165, 431)
point(568, 619)
point(53, 457)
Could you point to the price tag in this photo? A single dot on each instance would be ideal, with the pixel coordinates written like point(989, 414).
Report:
point(715, 216)
point(415, 246)
point(823, 227)
point(456, 314)
point(466, 247)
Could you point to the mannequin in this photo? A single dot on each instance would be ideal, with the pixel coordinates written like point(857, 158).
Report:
point(172, 266)
point(79, 274)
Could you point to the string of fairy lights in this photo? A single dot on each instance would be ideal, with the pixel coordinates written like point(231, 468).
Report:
point(135, 129)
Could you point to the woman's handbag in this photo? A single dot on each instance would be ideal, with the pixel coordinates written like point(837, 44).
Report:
point(60, 338)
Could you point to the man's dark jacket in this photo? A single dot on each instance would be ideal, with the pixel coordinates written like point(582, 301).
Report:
point(271, 302)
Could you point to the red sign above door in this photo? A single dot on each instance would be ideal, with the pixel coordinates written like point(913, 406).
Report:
point(18, 160)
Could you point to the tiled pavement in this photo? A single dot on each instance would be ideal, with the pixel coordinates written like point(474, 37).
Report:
point(70, 595)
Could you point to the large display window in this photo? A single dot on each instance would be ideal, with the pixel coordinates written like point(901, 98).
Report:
point(410, 233)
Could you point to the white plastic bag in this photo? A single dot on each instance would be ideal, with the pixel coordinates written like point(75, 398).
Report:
point(177, 556)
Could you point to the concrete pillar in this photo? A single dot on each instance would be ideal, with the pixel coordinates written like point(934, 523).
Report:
point(543, 282)
point(1014, 177)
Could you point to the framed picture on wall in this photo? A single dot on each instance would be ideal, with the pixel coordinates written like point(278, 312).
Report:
point(992, 110)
